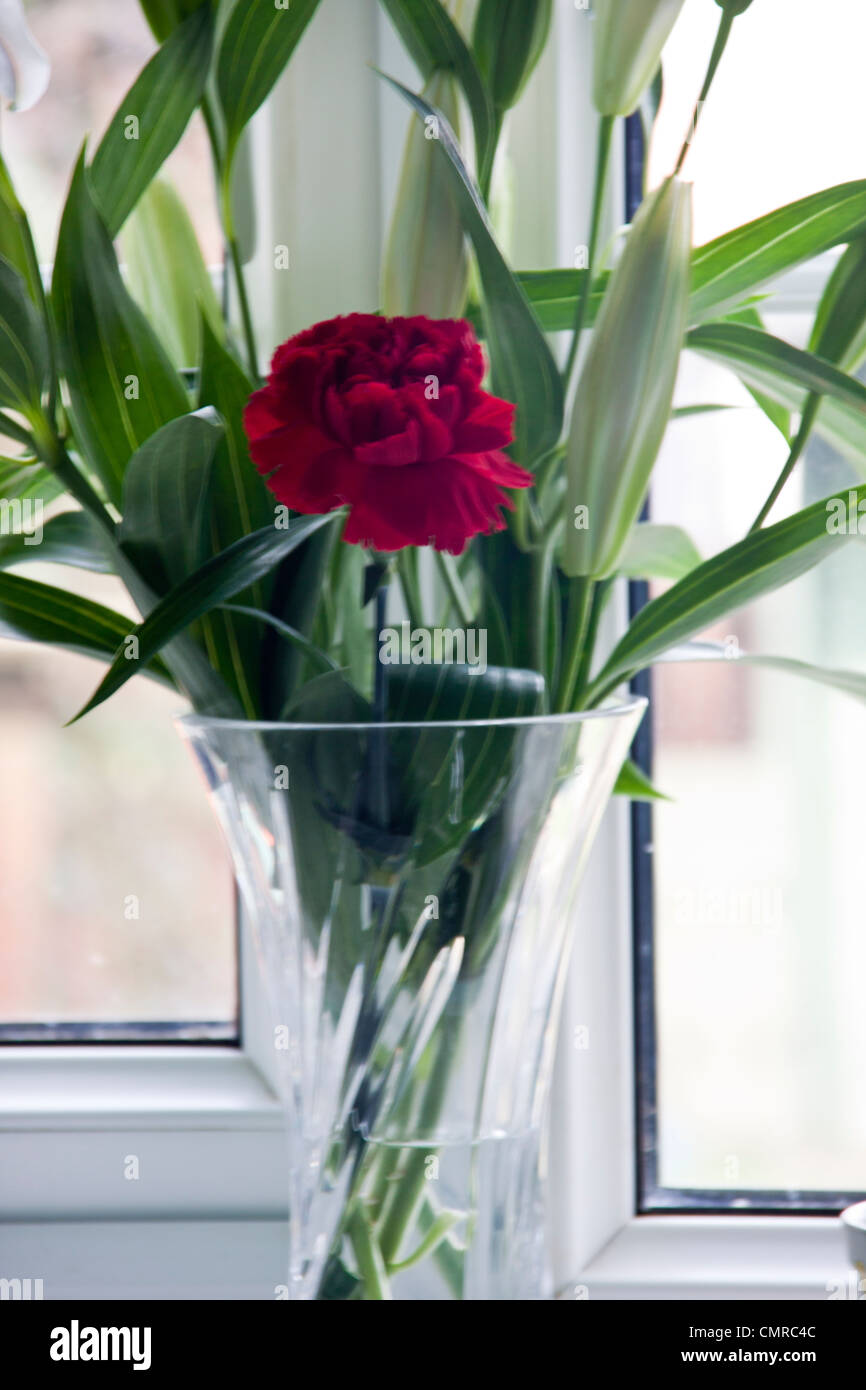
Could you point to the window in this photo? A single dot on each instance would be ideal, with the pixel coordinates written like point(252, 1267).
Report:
point(751, 1095)
point(116, 904)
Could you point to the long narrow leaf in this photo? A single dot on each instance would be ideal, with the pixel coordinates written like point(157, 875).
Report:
point(736, 264)
point(848, 682)
point(435, 42)
point(151, 118)
point(72, 538)
point(165, 493)
point(257, 43)
point(122, 386)
point(764, 561)
point(37, 612)
point(221, 578)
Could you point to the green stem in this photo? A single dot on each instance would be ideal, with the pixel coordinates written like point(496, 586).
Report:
point(371, 1265)
point(579, 609)
point(726, 24)
point(485, 176)
point(807, 421)
point(237, 266)
point(541, 569)
point(53, 453)
point(447, 567)
point(408, 1186)
point(599, 599)
point(407, 570)
point(602, 162)
point(223, 161)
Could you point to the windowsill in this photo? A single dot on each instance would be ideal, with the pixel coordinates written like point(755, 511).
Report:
point(720, 1257)
point(652, 1258)
point(138, 1133)
point(107, 1087)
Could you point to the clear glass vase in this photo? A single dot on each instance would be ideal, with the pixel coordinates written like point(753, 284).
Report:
point(411, 888)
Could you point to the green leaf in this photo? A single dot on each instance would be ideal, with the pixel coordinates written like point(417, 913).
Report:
point(435, 42)
point(839, 330)
point(633, 782)
point(151, 119)
point(656, 551)
point(24, 478)
point(25, 353)
point(258, 42)
point(167, 276)
point(764, 561)
point(848, 682)
point(524, 371)
point(16, 241)
point(239, 504)
point(296, 639)
point(122, 387)
point(219, 579)
point(762, 359)
point(165, 496)
point(442, 692)
point(553, 296)
point(39, 612)
point(71, 538)
point(683, 412)
point(165, 15)
point(726, 271)
point(739, 262)
point(778, 416)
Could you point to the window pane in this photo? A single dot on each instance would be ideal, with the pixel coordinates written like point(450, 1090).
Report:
point(760, 947)
point(116, 901)
point(97, 49)
point(784, 118)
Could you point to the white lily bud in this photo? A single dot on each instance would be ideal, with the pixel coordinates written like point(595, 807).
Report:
point(628, 43)
point(426, 264)
point(623, 401)
point(24, 65)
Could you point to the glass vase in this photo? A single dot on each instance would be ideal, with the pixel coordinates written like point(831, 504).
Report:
point(411, 889)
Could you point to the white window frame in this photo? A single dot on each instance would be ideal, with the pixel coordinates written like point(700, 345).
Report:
point(206, 1216)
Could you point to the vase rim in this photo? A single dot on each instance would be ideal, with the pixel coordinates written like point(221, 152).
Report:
point(630, 705)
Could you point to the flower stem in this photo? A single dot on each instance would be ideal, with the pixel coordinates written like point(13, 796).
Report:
point(223, 161)
point(237, 266)
point(596, 609)
point(726, 23)
point(542, 568)
point(602, 162)
point(577, 626)
point(371, 1265)
point(447, 567)
point(407, 569)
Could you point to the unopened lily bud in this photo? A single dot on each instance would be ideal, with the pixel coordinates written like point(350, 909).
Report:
point(426, 264)
point(623, 401)
point(734, 7)
point(629, 38)
point(508, 40)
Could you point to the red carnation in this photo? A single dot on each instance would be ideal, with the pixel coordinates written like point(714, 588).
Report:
point(387, 417)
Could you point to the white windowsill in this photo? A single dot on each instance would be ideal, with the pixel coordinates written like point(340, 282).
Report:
point(720, 1257)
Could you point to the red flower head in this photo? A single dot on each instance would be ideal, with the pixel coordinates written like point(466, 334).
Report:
point(387, 417)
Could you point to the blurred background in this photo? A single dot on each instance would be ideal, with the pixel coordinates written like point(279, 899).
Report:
point(116, 900)
point(760, 911)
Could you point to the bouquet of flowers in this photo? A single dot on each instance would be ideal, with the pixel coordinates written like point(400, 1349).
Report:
point(417, 519)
